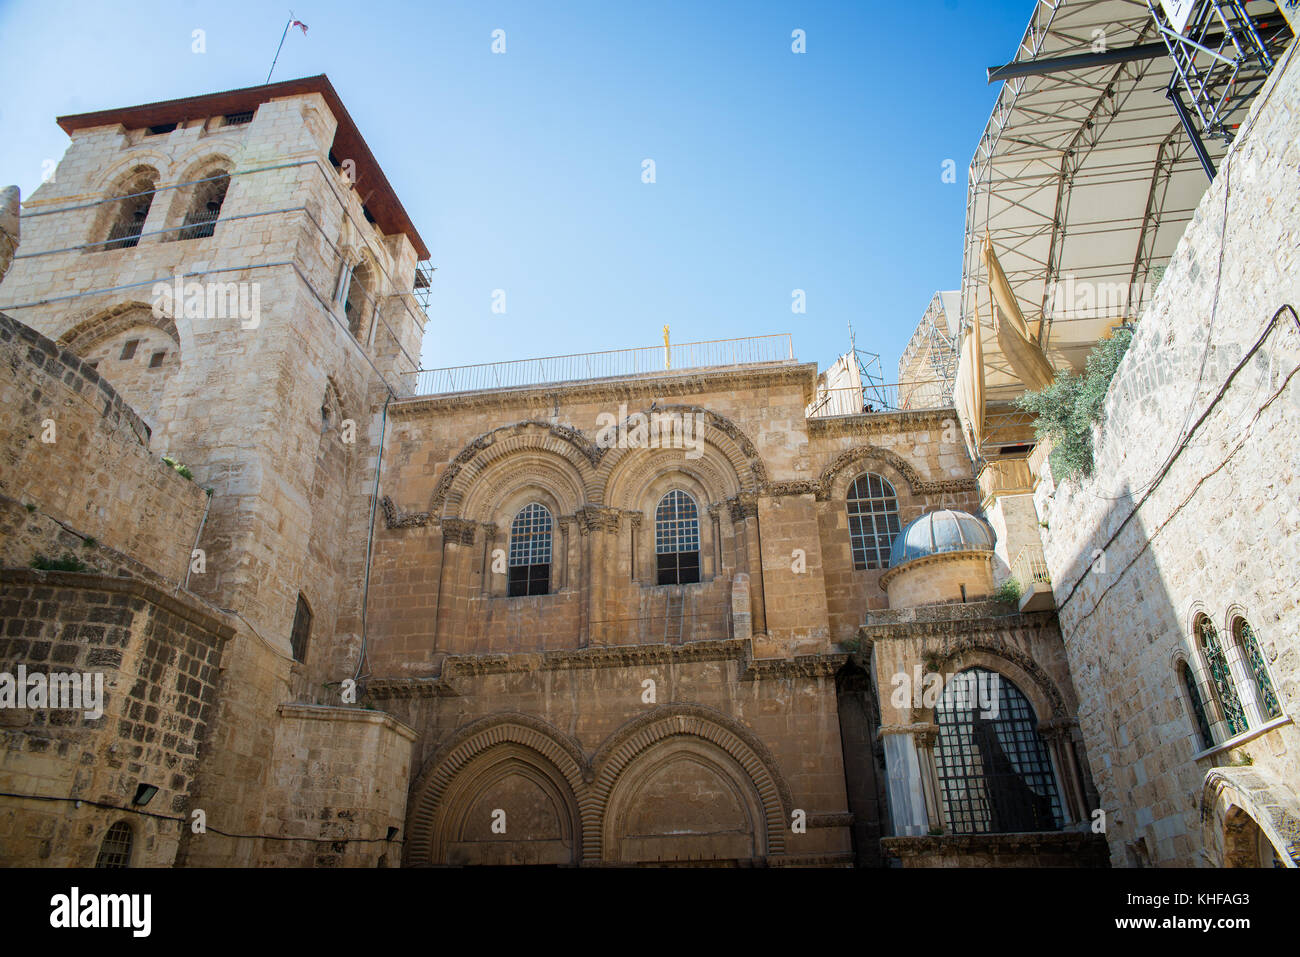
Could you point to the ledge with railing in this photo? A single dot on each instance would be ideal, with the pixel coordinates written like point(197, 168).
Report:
point(1035, 579)
point(577, 367)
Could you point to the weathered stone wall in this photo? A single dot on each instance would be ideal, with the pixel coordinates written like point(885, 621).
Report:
point(1192, 509)
point(740, 744)
point(96, 475)
point(158, 655)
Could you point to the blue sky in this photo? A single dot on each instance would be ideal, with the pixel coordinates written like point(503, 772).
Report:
point(775, 171)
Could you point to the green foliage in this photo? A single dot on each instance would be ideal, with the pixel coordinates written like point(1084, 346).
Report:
point(182, 470)
point(1009, 592)
point(65, 564)
point(30, 506)
point(89, 542)
point(1068, 408)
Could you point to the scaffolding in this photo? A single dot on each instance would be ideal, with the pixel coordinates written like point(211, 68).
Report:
point(1221, 57)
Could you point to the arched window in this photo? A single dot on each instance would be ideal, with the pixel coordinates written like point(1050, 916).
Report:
point(873, 520)
point(205, 206)
point(677, 539)
point(1221, 684)
point(1265, 694)
point(995, 775)
point(1197, 705)
point(530, 551)
point(135, 198)
point(359, 300)
point(301, 633)
point(115, 851)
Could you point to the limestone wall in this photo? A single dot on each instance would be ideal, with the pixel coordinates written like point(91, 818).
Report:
point(1192, 508)
point(96, 475)
point(158, 657)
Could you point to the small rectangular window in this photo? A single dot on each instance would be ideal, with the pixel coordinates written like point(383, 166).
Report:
point(237, 119)
point(156, 359)
point(161, 128)
point(128, 350)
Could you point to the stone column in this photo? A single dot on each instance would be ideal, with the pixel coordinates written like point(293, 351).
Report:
point(599, 529)
point(744, 519)
point(909, 773)
point(1058, 734)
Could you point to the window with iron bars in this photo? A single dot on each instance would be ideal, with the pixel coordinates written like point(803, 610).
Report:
point(115, 851)
point(677, 539)
point(995, 775)
point(529, 562)
point(873, 520)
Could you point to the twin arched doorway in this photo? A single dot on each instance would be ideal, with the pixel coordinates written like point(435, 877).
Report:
point(674, 786)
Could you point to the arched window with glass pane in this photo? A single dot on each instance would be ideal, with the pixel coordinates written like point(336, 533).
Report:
point(677, 539)
point(995, 775)
point(530, 551)
point(1221, 684)
point(1197, 706)
point(873, 520)
point(1257, 668)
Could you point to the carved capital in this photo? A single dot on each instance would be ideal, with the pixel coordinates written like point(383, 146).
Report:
point(593, 518)
point(743, 506)
point(459, 530)
point(395, 519)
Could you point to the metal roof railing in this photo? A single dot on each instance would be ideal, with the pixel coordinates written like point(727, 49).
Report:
point(645, 360)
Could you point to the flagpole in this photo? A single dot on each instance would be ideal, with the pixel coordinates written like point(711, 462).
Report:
point(287, 24)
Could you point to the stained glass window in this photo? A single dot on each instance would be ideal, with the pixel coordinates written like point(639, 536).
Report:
point(1220, 676)
point(1197, 706)
point(1249, 644)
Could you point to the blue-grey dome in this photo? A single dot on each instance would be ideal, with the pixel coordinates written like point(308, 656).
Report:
point(942, 531)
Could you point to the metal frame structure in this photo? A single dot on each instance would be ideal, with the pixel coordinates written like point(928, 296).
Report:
point(1220, 58)
point(1084, 178)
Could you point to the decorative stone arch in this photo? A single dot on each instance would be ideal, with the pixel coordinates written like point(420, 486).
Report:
point(722, 440)
point(202, 164)
point(1016, 666)
point(622, 749)
point(454, 769)
point(1238, 804)
point(491, 447)
point(85, 335)
point(836, 478)
point(126, 178)
point(634, 472)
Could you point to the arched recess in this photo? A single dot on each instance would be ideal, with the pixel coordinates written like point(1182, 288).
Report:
point(636, 764)
point(1021, 669)
point(130, 189)
point(523, 765)
point(194, 207)
point(1239, 807)
point(138, 353)
point(719, 449)
point(481, 454)
point(835, 479)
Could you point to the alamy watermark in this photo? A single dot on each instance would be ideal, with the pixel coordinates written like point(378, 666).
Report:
point(652, 430)
point(209, 300)
point(61, 691)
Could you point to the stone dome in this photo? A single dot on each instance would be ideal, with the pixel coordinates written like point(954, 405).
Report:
point(946, 530)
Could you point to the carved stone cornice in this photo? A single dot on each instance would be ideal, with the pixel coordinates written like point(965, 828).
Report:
point(461, 531)
point(644, 385)
point(395, 519)
point(879, 423)
point(799, 487)
point(606, 656)
point(831, 819)
point(800, 666)
point(596, 518)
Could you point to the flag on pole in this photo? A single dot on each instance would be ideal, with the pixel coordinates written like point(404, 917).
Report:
point(299, 23)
